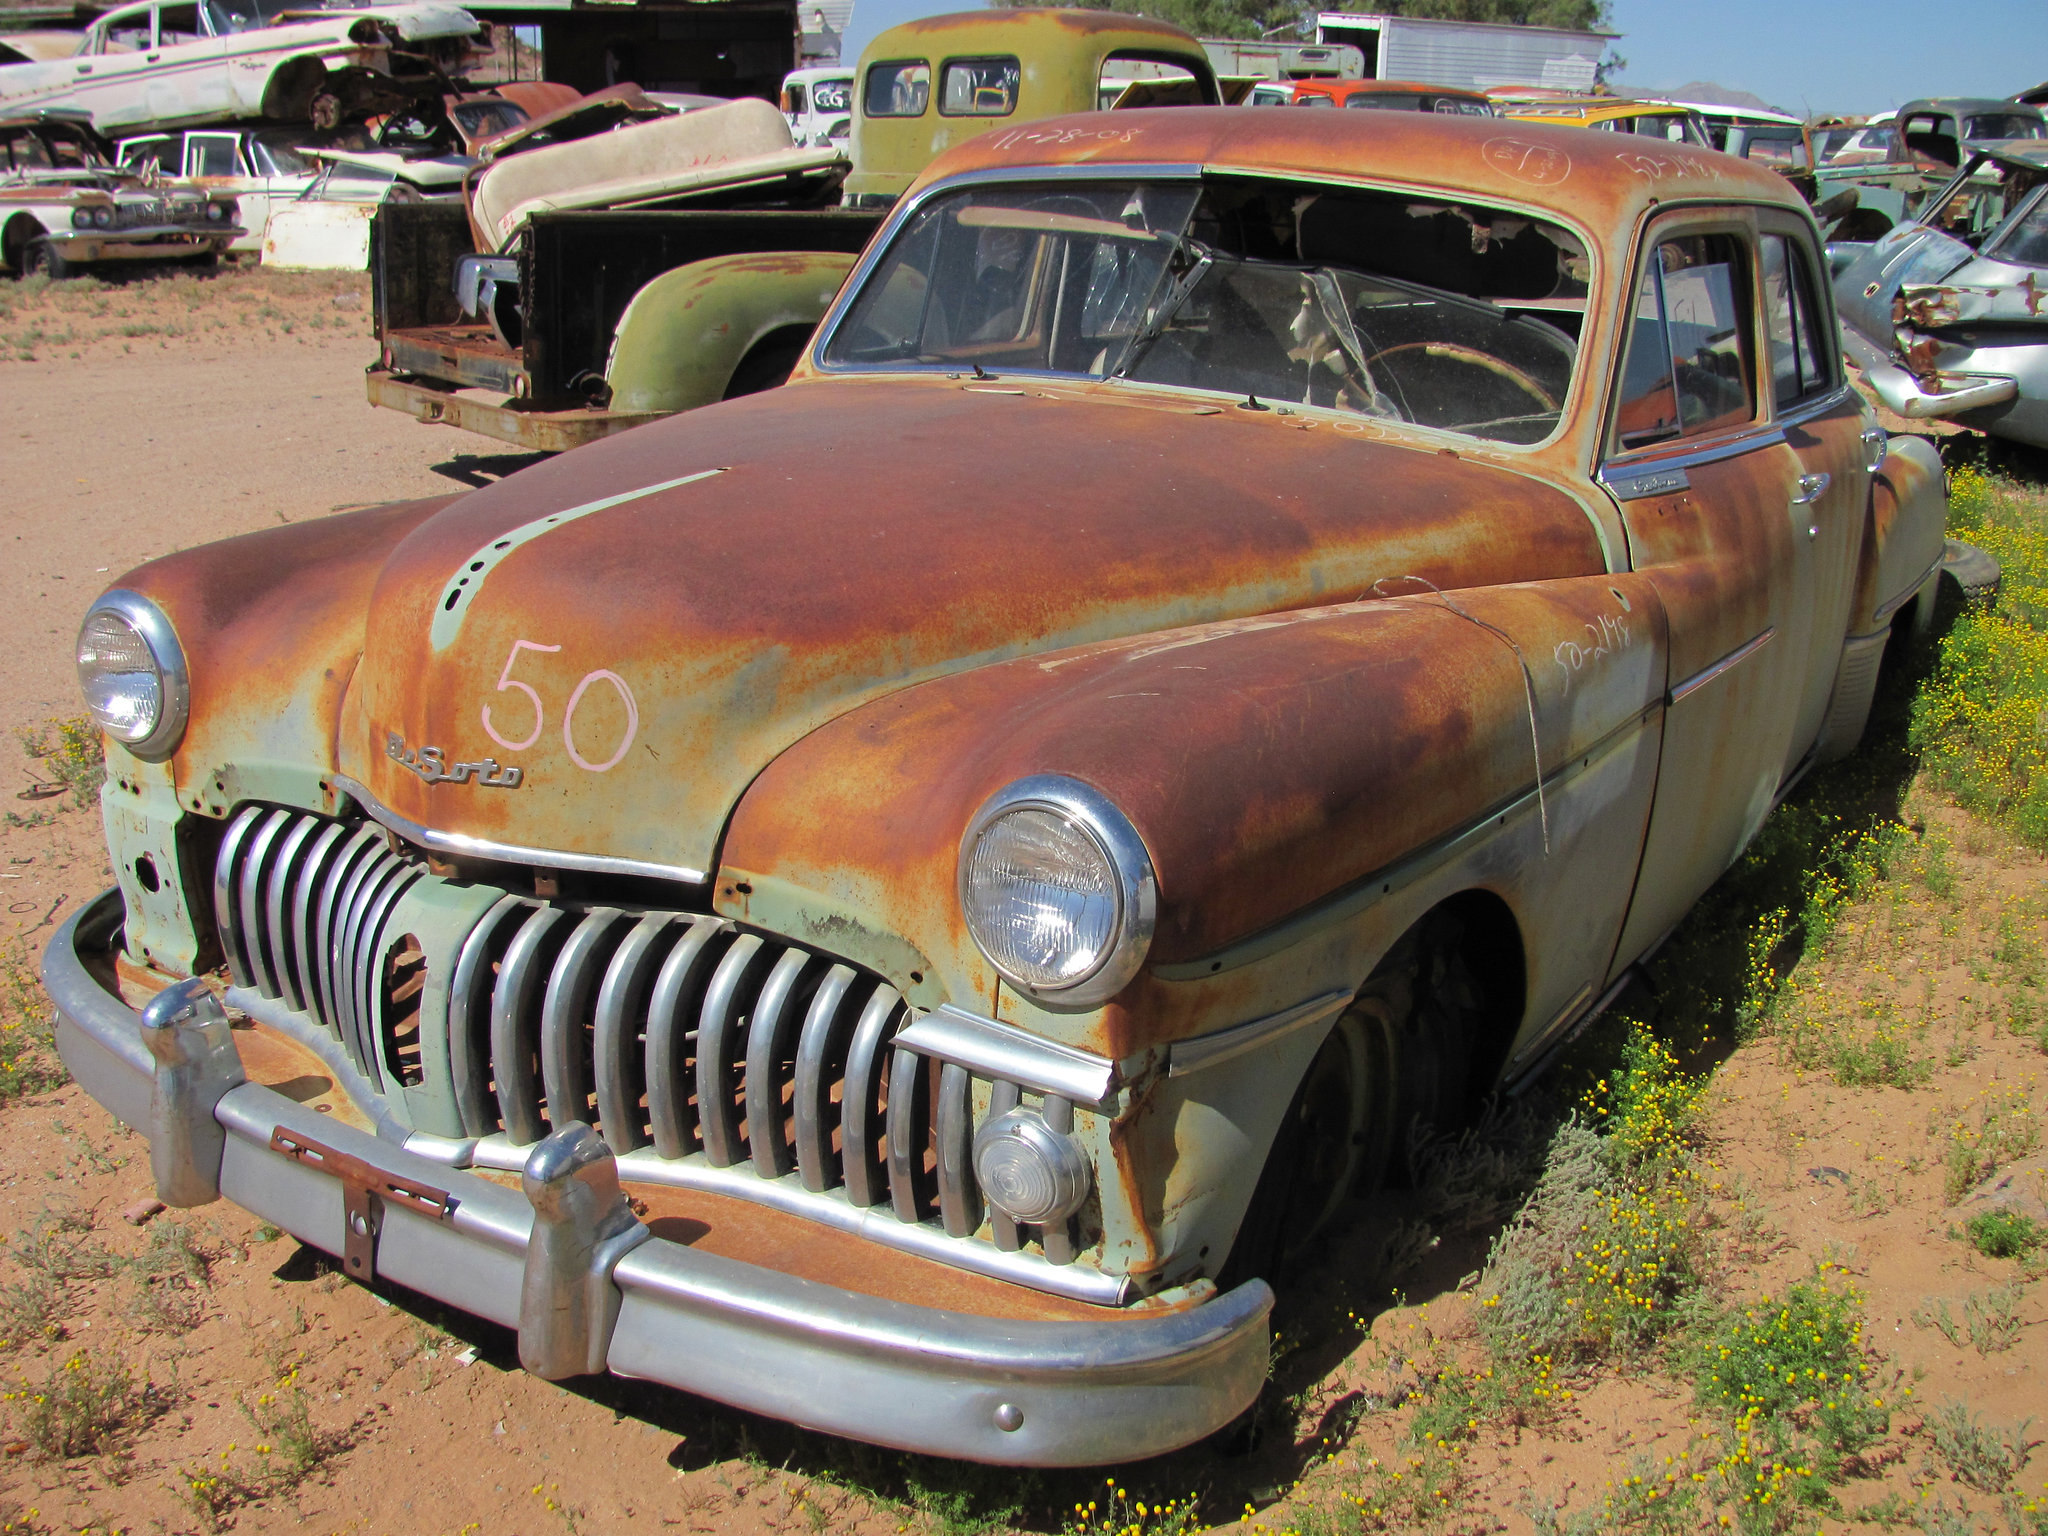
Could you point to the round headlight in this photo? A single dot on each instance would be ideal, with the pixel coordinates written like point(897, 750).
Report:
point(215, 212)
point(1029, 1171)
point(81, 218)
point(132, 672)
point(104, 217)
point(1058, 891)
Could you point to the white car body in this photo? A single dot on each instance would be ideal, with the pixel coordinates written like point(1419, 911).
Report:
point(327, 228)
point(818, 105)
point(177, 63)
point(261, 166)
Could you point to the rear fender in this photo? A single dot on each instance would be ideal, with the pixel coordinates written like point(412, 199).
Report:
point(684, 334)
point(1908, 517)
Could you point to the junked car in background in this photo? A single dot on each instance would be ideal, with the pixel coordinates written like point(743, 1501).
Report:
point(1949, 315)
point(1941, 130)
point(264, 168)
point(173, 63)
point(1390, 95)
point(818, 102)
point(930, 939)
point(66, 208)
point(327, 226)
point(39, 46)
point(1651, 119)
point(587, 322)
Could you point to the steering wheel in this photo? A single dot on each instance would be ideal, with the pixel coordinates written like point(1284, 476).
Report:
point(1451, 351)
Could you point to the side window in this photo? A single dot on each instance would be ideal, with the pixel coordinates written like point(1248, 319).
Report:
point(898, 89)
point(1799, 356)
point(1688, 367)
point(210, 154)
point(793, 99)
point(978, 87)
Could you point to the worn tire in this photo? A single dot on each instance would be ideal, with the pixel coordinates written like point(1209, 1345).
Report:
point(42, 259)
point(1404, 1054)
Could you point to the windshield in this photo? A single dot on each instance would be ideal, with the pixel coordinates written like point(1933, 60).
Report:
point(2003, 125)
point(1373, 304)
point(2024, 241)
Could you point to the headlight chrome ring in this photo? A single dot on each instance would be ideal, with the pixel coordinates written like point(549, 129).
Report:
point(119, 621)
point(1045, 810)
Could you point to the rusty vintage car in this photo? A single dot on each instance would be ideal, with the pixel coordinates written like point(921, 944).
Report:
point(901, 901)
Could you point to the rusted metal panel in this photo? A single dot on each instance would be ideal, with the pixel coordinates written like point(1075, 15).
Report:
point(542, 431)
point(728, 643)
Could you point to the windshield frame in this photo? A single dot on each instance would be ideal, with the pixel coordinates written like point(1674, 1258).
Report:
point(1570, 408)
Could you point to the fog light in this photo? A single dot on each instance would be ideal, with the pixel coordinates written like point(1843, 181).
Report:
point(104, 217)
point(1029, 1171)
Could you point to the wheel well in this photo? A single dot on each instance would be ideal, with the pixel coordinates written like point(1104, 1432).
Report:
point(769, 360)
point(14, 240)
point(1471, 945)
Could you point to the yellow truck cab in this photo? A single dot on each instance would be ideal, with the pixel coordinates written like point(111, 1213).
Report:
point(1653, 119)
point(928, 85)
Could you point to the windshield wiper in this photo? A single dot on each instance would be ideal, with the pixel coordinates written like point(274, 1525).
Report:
point(1168, 303)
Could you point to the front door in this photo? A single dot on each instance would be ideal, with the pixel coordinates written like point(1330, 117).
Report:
point(1705, 482)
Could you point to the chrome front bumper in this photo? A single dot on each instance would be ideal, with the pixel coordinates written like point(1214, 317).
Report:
point(588, 1287)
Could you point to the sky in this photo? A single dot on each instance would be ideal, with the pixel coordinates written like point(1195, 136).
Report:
point(1814, 56)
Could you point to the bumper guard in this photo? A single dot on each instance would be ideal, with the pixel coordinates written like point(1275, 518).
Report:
point(589, 1288)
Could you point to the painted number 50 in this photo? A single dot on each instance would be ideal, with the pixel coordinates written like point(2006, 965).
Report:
point(507, 683)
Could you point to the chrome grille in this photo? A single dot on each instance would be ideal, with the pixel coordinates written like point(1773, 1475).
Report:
point(676, 1032)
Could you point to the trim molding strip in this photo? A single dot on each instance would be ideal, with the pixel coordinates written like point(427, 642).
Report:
point(1706, 675)
point(463, 846)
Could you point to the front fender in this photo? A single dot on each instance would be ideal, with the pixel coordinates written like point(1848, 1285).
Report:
point(684, 334)
point(272, 625)
point(1269, 764)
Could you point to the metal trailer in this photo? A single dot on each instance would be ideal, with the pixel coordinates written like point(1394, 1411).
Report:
point(1475, 55)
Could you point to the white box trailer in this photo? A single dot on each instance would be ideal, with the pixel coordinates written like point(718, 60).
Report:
point(1475, 55)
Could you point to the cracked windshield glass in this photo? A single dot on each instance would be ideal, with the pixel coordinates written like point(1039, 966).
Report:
point(1444, 314)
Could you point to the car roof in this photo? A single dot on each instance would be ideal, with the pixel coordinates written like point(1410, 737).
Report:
point(1591, 109)
point(1986, 104)
point(1052, 31)
point(1582, 175)
point(1396, 87)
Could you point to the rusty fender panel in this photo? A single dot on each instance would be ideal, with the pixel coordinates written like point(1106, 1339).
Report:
point(1935, 306)
point(1909, 516)
point(1267, 762)
point(1589, 178)
point(271, 624)
point(747, 572)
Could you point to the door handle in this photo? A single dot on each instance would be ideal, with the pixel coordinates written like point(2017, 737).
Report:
point(1811, 489)
point(85, 69)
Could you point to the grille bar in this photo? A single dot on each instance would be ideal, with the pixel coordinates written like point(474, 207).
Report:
point(680, 1036)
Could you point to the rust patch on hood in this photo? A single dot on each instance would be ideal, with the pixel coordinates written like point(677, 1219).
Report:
point(733, 578)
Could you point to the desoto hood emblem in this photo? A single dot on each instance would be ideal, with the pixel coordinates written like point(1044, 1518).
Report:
point(432, 765)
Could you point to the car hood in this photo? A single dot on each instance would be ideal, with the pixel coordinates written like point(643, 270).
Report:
point(643, 625)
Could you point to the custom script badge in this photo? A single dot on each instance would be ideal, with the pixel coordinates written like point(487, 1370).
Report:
point(432, 765)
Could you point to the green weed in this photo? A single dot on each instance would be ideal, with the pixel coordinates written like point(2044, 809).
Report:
point(1985, 1456)
point(2004, 1233)
point(71, 752)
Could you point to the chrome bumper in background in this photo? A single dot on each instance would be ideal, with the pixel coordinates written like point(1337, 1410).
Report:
point(588, 1287)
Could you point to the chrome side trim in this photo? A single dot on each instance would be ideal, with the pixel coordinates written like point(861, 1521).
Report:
point(1819, 405)
point(992, 1049)
point(464, 846)
point(1622, 469)
point(1706, 675)
point(1186, 1056)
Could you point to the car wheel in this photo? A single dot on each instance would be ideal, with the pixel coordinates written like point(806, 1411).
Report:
point(210, 262)
point(43, 259)
point(1400, 1059)
point(768, 365)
